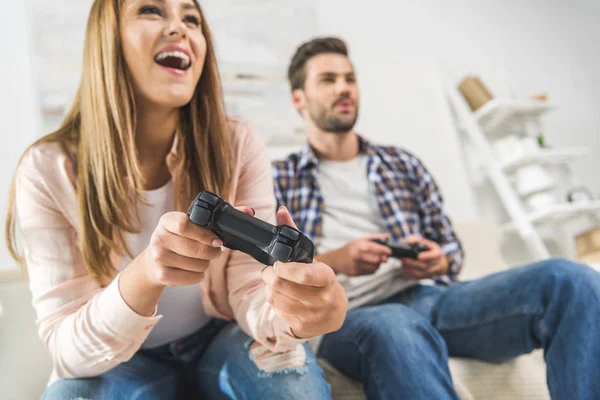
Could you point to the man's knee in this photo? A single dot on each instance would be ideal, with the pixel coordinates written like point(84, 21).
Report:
point(394, 325)
point(569, 278)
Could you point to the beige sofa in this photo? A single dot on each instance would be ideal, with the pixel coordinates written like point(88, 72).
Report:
point(522, 378)
point(25, 365)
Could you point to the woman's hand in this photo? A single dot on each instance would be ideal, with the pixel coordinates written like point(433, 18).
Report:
point(307, 297)
point(178, 254)
point(180, 251)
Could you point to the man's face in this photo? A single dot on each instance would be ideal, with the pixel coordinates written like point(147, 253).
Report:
point(330, 94)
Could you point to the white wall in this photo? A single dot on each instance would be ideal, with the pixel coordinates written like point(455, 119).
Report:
point(549, 46)
point(19, 122)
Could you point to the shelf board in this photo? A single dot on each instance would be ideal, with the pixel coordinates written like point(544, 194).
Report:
point(496, 112)
point(558, 213)
point(546, 156)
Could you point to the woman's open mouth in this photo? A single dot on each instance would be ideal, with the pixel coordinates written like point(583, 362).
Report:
point(176, 61)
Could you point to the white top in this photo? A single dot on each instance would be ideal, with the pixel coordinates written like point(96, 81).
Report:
point(351, 212)
point(181, 306)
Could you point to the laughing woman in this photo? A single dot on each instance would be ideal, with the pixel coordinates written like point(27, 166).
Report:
point(133, 301)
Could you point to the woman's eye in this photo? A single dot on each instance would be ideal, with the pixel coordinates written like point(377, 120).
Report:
point(192, 20)
point(150, 10)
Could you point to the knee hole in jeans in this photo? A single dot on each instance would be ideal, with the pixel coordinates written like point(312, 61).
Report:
point(269, 362)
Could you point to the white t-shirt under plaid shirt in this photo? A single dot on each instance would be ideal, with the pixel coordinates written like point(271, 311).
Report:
point(351, 213)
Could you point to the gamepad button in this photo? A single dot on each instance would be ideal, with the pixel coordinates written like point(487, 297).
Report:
point(289, 233)
point(200, 215)
point(209, 198)
point(281, 251)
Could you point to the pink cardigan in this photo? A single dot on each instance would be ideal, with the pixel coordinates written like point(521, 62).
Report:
point(88, 327)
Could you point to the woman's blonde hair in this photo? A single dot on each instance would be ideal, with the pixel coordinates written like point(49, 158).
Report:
point(98, 135)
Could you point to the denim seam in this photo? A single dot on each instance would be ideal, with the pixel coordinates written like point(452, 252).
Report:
point(495, 318)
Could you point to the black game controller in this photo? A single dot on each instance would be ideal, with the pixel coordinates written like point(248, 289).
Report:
point(240, 231)
point(402, 249)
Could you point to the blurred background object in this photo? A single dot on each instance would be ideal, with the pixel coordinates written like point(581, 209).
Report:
point(588, 246)
point(474, 92)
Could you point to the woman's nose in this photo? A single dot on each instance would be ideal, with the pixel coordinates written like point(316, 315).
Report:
point(176, 27)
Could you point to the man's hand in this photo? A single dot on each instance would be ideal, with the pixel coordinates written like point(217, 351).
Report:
point(429, 264)
point(359, 257)
point(307, 297)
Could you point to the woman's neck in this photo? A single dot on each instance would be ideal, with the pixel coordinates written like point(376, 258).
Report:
point(155, 132)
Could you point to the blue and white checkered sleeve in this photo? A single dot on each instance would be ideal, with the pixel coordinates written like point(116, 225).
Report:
point(436, 223)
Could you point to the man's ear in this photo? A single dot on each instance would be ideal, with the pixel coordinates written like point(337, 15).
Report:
point(298, 99)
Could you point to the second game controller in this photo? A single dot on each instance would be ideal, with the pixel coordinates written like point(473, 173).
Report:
point(402, 249)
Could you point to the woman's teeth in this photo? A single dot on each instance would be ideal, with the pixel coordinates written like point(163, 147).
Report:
point(173, 59)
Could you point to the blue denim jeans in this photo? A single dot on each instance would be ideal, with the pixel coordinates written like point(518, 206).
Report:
point(214, 363)
point(400, 348)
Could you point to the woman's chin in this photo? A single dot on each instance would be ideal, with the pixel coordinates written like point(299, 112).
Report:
point(172, 100)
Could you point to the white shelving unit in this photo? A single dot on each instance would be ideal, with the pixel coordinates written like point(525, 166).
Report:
point(558, 213)
point(497, 113)
point(546, 157)
point(494, 121)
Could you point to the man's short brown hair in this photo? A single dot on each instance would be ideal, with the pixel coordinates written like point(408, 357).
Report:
point(306, 51)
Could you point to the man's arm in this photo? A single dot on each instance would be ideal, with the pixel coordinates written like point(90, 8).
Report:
point(330, 258)
point(436, 224)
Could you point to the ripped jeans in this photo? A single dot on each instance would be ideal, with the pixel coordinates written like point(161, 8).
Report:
point(218, 362)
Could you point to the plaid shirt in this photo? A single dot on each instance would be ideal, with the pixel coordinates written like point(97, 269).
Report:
point(408, 197)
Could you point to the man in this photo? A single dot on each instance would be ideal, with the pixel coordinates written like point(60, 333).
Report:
point(407, 316)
